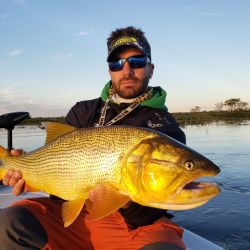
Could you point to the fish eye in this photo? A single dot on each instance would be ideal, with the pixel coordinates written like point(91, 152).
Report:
point(189, 165)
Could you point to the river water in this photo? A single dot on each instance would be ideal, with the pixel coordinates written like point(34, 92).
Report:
point(225, 220)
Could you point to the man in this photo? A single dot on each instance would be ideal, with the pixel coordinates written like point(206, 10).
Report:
point(125, 100)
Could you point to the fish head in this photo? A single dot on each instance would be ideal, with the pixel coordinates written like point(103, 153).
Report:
point(159, 172)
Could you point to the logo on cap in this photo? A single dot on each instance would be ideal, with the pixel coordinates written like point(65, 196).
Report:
point(129, 41)
point(124, 40)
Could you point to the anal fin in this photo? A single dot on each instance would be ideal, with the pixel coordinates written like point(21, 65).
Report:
point(70, 210)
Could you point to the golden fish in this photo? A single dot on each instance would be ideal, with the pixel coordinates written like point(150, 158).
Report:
point(103, 168)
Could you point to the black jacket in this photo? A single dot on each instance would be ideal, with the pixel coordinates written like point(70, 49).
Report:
point(86, 114)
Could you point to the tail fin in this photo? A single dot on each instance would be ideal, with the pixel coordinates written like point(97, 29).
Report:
point(3, 154)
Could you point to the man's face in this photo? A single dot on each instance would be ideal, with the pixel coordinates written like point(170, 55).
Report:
point(129, 82)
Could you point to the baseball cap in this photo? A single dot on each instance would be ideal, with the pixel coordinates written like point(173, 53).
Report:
point(130, 41)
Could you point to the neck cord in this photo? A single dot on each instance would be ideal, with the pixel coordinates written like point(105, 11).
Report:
point(137, 101)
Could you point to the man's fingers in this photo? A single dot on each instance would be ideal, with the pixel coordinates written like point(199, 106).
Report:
point(18, 188)
point(12, 176)
point(16, 176)
point(14, 179)
point(7, 177)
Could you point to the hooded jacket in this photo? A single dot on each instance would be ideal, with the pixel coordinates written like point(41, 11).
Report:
point(151, 113)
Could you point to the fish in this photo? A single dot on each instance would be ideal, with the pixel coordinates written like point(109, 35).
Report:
point(101, 169)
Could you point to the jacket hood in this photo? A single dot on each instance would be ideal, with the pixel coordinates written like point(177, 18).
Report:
point(157, 101)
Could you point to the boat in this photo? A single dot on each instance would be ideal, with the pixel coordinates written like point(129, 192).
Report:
point(196, 242)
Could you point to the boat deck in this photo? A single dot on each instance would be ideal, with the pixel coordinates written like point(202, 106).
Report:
point(6, 198)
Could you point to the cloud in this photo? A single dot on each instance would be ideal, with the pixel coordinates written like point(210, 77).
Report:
point(16, 52)
point(35, 109)
point(200, 12)
point(12, 101)
point(61, 57)
point(3, 16)
point(191, 8)
point(10, 93)
point(83, 33)
point(209, 13)
point(19, 2)
point(4, 19)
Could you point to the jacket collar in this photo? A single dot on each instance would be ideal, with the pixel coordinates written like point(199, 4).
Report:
point(157, 101)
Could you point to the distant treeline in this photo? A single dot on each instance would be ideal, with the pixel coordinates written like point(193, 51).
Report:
point(206, 117)
point(185, 118)
point(39, 120)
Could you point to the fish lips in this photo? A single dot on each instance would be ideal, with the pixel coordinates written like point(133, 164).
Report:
point(193, 194)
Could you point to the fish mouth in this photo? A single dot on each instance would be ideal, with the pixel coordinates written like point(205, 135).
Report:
point(200, 190)
point(195, 185)
point(193, 194)
point(190, 195)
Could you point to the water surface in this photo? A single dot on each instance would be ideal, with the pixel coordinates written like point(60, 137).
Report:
point(225, 220)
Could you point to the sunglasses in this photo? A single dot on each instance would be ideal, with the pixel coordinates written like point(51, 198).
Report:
point(135, 62)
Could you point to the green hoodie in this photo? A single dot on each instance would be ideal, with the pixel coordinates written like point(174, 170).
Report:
point(157, 101)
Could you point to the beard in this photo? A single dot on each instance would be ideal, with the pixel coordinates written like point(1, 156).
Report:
point(130, 87)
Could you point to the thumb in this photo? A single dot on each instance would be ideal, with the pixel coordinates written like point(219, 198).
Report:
point(16, 152)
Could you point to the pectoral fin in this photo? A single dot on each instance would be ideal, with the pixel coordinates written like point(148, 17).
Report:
point(70, 210)
point(104, 200)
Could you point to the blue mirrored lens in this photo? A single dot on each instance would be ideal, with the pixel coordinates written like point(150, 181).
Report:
point(116, 66)
point(135, 62)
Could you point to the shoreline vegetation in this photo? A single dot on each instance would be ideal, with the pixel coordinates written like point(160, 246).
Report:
point(183, 118)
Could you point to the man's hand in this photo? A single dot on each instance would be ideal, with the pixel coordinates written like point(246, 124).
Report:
point(13, 178)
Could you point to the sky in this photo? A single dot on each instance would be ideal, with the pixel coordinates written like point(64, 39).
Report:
point(53, 53)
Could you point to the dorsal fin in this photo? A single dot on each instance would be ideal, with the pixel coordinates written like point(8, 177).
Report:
point(56, 129)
